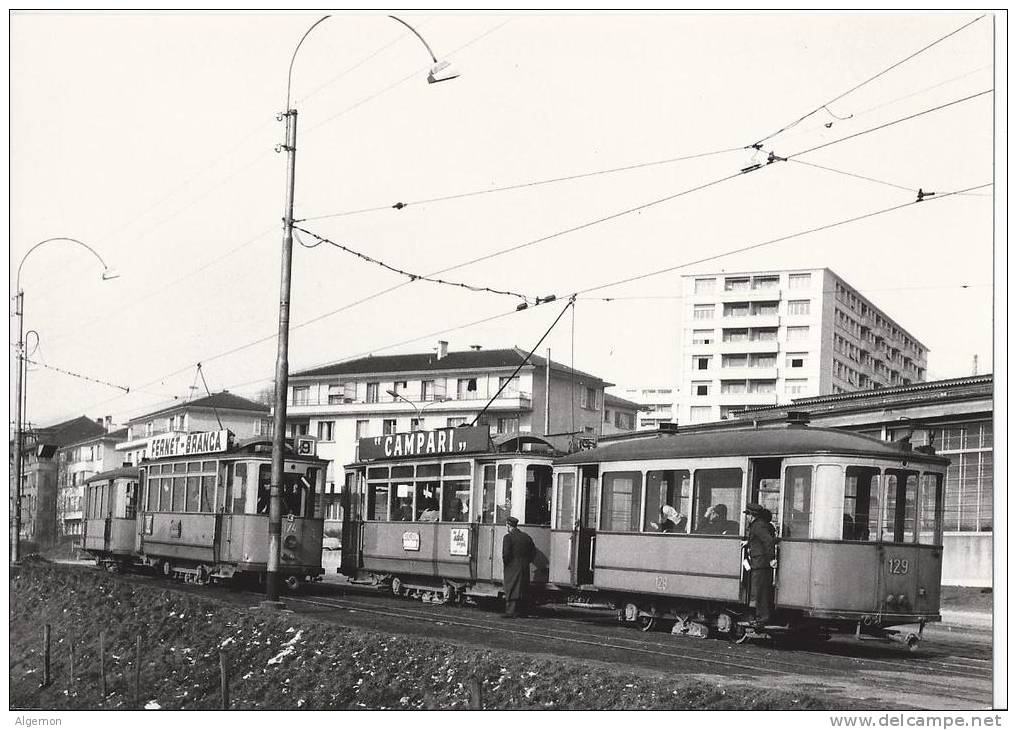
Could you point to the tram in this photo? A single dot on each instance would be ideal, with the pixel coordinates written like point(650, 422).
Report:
point(425, 512)
point(859, 523)
point(197, 510)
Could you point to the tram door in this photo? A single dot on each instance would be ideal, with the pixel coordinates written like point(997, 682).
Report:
point(764, 483)
point(586, 526)
point(349, 500)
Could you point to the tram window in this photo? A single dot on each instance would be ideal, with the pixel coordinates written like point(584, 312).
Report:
point(930, 509)
point(264, 489)
point(166, 494)
point(152, 485)
point(377, 501)
point(538, 495)
point(178, 494)
point(428, 470)
point(588, 508)
point(487, 498)
point(207, 493)
point(861, 502)
point(457, 469)
point(208, 466)
point(503, 509)
point(828, 503)
point(193, 485)
point(620, 496)
point(455, 500)
point(239, 487)
point(402, 501)
point(900, 492)
point(296, 494)
point(671, 488)
point(377, 472)
point(797, 501)
point(179, 468)
point(717, 498)
point(565, 517)
point(193, 466)
point(428, 501)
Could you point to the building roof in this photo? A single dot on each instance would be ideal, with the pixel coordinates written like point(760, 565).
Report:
point(429, 362)
point(224, 401)
point(616, 402)
point(123, 472)
point(68, 432)
point(118, 435)
point(755, 442)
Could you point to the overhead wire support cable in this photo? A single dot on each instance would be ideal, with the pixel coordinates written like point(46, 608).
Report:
point(411, 276)
point(506, 381)
point(779, 239)
point(518, 186)
point(124, 388)
point(854, 88)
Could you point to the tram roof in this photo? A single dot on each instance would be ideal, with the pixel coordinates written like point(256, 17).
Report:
point(755, 442)
point(123, 472)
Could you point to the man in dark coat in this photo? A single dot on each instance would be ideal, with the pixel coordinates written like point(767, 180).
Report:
point(517, 552)
point(762, 549)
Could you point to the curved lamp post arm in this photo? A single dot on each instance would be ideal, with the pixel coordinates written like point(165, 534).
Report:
point(105, 269)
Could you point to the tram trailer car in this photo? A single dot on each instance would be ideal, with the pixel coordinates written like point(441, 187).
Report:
point(859, 523)
point(200, 511)
point(110, 525)
point(425, 512)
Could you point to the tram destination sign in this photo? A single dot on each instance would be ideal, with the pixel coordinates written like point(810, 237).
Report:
point(186, 444)
point(440, 442)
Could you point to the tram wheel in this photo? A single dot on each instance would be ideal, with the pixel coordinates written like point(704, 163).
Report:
point(646, 623)
point(397, 587)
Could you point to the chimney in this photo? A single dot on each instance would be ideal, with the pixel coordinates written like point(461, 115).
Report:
point(108, 423)
point(475, 348)
point(442, 349)
point(99, 422)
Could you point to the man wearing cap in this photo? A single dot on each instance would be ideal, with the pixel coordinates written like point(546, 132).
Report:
point(762, 551)
point(517, 552)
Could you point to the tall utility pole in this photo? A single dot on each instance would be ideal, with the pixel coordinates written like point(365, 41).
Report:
point(440, 71)
point(19, 309)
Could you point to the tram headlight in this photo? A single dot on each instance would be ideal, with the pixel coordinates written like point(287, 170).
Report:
point(902, 599)
point(891, 599)
point(291, 542)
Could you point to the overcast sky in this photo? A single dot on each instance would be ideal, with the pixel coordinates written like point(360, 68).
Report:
point(150, 137)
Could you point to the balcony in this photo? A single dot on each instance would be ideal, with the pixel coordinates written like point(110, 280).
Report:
point(749, 346)
point(514, 400)
point(749, 320)
point(750, 295)
point(747, 373)
point(746, 399)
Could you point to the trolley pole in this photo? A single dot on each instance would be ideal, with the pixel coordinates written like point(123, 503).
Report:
point(281, 373)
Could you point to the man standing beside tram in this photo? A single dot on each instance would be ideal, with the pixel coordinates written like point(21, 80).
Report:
point(517, 552)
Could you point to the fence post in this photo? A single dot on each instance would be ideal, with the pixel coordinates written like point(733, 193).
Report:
point(137, 672)
point(45, 653)
point(224, 680)
point(102, 661)
point(476, 694)
point(71, 667)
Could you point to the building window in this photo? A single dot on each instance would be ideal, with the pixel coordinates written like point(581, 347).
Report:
point(736, 284)
point(426, 390)
point(301, 395)
point(372, 392)
point(703, 311)
point(732, 386)
point(738, 309)
point(588, 399)
point(702, 337)
point(607, 416)
point(335, 394)
point(701, 363)
point(699, 414)
point(797, 334)
point(509, 386)
point(799, 281)
point(968, 502)
point(508, 424)
point(388, 426)
point(798, 307)
point(454, 421)
point(362, 429)
point(699, 389)
point(766, 334)
point(326, 430)
point(765, 282)
point(706, 286)
point(795, 386)
point(762, 386)
point(736, 335)
point(467, 388)
point(734, 361)
point(416, 424)
point(763, 309)
point(797, 359)
point(762, 361)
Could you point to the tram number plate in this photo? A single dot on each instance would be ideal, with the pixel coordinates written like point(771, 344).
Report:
point(898, 566)
point(660, 583)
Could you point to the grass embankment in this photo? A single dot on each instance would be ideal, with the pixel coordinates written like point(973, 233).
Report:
point(283, 661)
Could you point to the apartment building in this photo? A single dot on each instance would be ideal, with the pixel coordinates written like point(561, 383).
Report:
point(374, 396)
point(76, 462)
point(245, 418)
point(756, 339)
point(656, 406)
point(620, 415)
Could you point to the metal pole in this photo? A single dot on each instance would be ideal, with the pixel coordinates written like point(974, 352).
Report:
point(281, 373)
point(547, 394)
point(16, 487)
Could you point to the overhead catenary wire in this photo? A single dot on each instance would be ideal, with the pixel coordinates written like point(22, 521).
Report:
point(411, 276)
point(673, 297)
point(779, 239)
point(399, 205)
point(869, 80)
point(846, 173)
point(124, 388)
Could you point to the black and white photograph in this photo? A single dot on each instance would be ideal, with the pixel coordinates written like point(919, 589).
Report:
point(498, 360)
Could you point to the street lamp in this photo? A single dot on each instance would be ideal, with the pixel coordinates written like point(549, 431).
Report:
point(19, 312)
point(417, 408)
point(440, 71)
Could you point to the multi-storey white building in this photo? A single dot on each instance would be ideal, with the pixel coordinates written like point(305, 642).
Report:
point(374, 396)
point(77, 462)
point(760, 338)
point(656, 406)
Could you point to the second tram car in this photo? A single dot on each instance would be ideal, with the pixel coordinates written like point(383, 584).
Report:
point(859, 523)
point(425, 512)
point(110, 524)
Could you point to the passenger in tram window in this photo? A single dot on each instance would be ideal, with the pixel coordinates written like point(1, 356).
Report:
point(430, 512)
point(670, 520)
point(403, 509)
point(458, 511)
point(716, 522)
